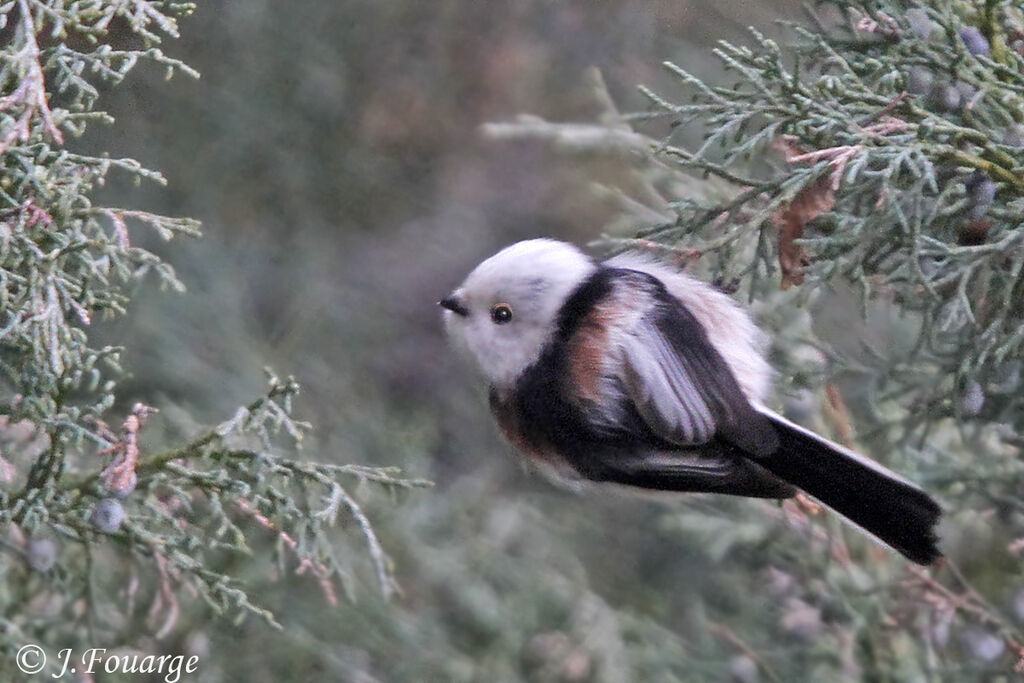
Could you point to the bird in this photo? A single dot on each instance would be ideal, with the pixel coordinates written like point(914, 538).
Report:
point(633, 373)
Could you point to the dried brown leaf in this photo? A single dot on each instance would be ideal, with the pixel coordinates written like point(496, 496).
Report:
point(812, 201)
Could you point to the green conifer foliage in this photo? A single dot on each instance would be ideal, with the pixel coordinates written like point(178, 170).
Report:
point(104, 539)
point(860, 181)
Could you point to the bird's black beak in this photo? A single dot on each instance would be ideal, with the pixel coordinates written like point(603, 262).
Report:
point(454, 304)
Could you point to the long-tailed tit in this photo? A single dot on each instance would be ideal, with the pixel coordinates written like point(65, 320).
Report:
point(629, 372)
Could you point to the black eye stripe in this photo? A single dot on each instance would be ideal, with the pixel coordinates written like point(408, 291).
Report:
point(501, 313)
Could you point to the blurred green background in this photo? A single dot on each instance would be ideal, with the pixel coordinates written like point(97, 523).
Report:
point(332, 151)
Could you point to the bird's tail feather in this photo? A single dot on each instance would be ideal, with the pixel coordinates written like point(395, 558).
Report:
point(870, 496)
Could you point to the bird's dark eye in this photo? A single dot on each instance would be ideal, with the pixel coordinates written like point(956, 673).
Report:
point(501, 313)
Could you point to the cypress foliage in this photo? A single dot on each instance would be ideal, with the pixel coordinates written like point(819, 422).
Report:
point(861, 182)
point(105, 537)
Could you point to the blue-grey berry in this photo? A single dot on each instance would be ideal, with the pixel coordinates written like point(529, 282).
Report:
point(974, 41)
point(800, 407)
point(41, 554)
point(981, 191)
point(929, 266)
point(940, 628)
point(944, 98)
point(743, 669)
point(1006, 379)
point(982, 645)
point(127, 491)
point(967, 91)
point(107, 516)
point(801, 620)
point(1014, 136)
point(920, 80)
point(972, 399)
point(1017, 605)
point(778, 583)
point(920, 24)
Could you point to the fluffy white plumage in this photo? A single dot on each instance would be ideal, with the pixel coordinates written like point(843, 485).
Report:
point(534, 278)
point(729, 328)
point(631, 372)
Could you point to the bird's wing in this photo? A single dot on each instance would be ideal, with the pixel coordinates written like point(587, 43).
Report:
point(713, 468)
point(675, 379)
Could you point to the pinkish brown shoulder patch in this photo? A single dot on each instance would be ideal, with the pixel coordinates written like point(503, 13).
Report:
point(588, 351)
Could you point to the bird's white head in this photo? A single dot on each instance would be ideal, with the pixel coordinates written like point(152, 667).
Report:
point(507, 309)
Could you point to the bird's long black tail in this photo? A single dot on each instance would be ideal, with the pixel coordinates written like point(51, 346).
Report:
point(873, 498)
